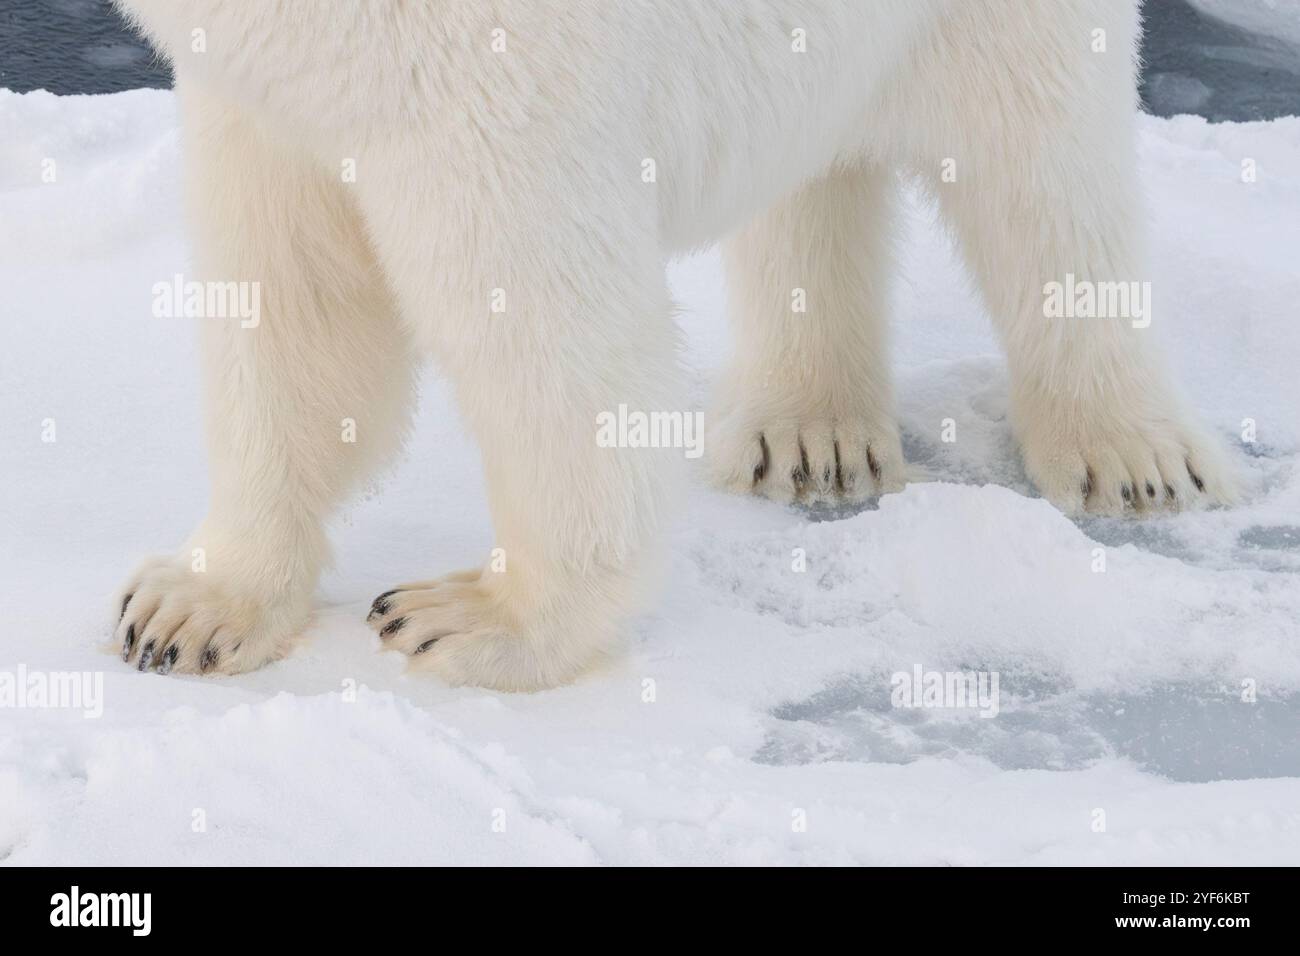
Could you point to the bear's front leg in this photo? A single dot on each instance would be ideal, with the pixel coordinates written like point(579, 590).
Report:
point(548, 309)
point(304, 394)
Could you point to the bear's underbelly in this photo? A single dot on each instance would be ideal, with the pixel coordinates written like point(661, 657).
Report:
point(739, 126)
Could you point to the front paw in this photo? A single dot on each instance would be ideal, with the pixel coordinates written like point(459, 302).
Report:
point(171, 618)
point(466, 631)
point(1122, 457)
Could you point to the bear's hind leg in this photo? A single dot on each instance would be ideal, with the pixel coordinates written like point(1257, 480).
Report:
point(1047, 207)
point(805, 411)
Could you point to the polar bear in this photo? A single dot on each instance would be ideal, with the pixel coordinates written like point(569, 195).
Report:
point(497, 184)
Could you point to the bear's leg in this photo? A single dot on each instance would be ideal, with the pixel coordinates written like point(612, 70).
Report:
point(300, 405)
point(548, 308)
point(1046, 204)
point(805, 410)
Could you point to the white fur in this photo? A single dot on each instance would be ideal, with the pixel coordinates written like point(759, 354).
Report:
point(520, 169)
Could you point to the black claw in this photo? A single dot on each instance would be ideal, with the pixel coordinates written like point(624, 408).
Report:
point(1170, 493)
point(125, 601)
point(168, 659)
point(146, 656)
point(1151, 491)
point(761, 471)
point(426, 645)
point(1196, 480)
point(392, 627)
point(208, 659)
point(381, 606)
point(1127, 493)
point(129, 643)
point(873, 465)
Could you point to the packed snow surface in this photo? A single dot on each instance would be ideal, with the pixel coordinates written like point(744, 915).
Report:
point(1148, 713)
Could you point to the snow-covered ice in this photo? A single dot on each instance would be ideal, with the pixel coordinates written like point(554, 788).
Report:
point(752, 697)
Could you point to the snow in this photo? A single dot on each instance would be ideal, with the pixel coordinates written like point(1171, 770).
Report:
point(752, 698)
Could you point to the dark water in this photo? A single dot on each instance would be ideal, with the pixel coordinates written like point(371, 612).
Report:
point(73, 46)
point(1193, 64)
